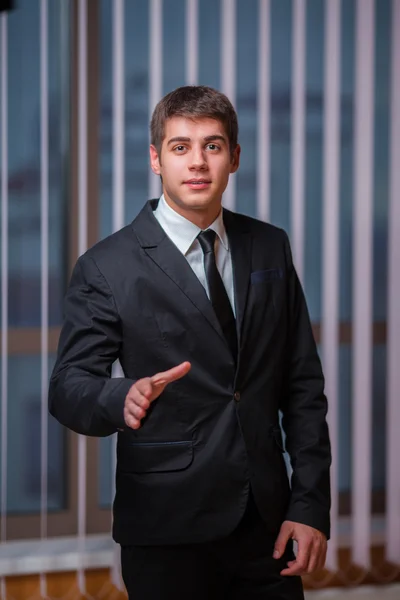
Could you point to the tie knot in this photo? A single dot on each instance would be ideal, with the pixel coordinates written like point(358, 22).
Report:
point(207, 240)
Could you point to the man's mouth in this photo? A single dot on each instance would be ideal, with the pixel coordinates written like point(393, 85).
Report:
point(198, 184)
point(198, 181)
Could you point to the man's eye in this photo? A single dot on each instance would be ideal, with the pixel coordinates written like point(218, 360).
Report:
point(212, 146)
point(179, 148)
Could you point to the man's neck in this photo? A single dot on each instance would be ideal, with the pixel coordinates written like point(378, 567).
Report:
point(201, 218)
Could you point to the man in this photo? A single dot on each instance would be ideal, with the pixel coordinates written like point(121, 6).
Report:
point(204, 310)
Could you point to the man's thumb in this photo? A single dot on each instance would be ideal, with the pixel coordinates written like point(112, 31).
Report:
point(171, 375)
point(282, 540)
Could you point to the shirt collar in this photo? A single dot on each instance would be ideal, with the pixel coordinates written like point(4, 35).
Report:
point(182, 231)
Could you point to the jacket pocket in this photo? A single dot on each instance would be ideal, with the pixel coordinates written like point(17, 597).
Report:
point(266, 275)
point(154, 457)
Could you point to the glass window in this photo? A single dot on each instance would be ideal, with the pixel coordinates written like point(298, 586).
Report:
point(346, 157)
point(174, 44)
point(314, 155)
point(24, 248)
point(281, 76)
point(246, 106)
point(381, 156)
point(24, 165)
point(209, 43)
point(24, 450)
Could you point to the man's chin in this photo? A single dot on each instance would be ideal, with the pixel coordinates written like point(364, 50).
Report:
point(195, 201)
point(198, 205)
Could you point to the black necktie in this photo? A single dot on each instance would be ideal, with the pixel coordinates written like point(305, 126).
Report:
point(218, 296)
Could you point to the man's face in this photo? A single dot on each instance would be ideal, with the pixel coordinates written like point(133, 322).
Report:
point(195, 163)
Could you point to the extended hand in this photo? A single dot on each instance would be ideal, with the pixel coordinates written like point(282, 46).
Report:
point(144, 391)
point(312, 546)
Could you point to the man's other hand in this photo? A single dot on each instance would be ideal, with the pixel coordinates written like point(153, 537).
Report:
point(312, 546)
point(144, 391)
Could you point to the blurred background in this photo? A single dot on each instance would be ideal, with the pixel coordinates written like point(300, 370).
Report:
point(316, 84)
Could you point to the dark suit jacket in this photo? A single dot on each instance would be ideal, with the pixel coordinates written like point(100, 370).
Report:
point(184, 476)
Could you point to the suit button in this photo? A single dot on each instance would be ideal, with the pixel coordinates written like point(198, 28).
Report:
point(236, 395)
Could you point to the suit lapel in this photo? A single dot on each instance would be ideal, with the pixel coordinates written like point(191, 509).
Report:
point(240, 244)
point(171, 261)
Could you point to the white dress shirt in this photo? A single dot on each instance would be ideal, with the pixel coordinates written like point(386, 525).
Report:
point(183, 234)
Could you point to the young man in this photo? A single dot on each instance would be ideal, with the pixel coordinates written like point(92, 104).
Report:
point(204, 310)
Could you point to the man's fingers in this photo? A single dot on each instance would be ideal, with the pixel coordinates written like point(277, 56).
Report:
point(322, 558)
point(292, 570)
point(136, 404)
point(138, 399)
point(144, 391)
point(314, 558)
point(172, 374)
point(132, 422)
point(133, 415)
point(300, 565)
point(136, 411)
point(296, 567)
point(282, 539)
point(144, 387)
point(318, 555)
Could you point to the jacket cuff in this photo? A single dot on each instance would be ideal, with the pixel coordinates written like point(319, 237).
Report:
point(112, 401)
point(311, 516)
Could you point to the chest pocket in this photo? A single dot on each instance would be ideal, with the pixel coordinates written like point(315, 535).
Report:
point(266, 293)
point(266, 275)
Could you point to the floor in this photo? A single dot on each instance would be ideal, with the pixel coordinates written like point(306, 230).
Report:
point(389, 592)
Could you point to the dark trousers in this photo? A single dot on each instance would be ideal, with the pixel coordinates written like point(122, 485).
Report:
point(238, 567)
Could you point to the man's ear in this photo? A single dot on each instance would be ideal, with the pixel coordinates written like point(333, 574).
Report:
point(235, 160)
point(155, 163)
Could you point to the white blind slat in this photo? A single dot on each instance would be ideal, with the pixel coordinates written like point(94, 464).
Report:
point(156, 75)
point(264, 111)
point(393, 328)
point(298, 149)
point(192, 42)
point(362, 282)
point(228, 75)
point(330, 251)
point(118, 197)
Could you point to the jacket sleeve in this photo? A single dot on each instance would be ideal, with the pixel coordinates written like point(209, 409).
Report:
point(304, 415)
point(82, 394)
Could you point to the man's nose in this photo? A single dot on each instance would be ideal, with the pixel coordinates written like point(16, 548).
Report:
point(198, 159)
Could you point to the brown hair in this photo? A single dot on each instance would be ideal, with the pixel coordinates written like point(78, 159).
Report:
point(194, 101)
